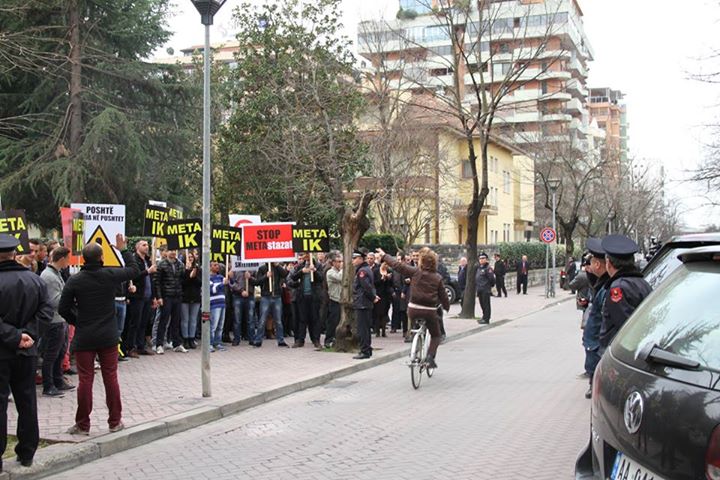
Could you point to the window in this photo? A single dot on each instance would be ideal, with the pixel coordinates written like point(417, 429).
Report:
point(418, 6)
point(504, 48)
point(506, 182)
point(437, 32)
point(502, 25)
point(543, 87)
point(466, 169)
point(442, 50)
point(460, 234)
point(500, 69)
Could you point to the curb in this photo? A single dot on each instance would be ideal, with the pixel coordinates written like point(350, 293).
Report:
point(64, 456)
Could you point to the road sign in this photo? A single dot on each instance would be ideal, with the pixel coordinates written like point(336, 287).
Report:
point(547, 235)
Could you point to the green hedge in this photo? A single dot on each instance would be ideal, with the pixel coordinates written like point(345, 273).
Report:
point(389, 243)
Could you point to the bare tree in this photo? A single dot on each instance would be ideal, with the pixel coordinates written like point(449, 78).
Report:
point(496, 49)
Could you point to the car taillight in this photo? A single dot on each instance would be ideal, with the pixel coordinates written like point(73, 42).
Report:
point(712, 456)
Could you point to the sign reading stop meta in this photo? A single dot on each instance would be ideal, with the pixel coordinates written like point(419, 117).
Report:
point(267, 242)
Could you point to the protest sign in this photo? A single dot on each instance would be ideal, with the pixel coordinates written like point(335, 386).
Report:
point(237, 221)
point(267, 242)
point(310, 239)
point(111, 257)
point(181, 234)
point(13, 223)
point(110, 217)
point(155, 219)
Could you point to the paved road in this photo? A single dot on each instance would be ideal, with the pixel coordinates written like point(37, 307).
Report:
point(504, 404)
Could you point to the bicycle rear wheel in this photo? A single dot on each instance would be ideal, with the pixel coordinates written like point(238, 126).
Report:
point(416, 361)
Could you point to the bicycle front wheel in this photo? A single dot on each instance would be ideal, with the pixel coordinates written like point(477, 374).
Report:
point(426, 346)
point(416, 361)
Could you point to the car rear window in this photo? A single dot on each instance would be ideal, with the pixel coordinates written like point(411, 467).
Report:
point(663, 266)
point(682, 316)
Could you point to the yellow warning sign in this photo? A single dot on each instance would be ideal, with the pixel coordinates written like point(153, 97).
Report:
point(111, 258)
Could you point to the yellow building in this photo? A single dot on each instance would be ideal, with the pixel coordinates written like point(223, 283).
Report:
point(508, 212)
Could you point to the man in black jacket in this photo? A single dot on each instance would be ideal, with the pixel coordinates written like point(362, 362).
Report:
point(484, 281)
point(88, 302)
point(500, 272)
point(168, 284)
point(308, 274)
point(23, 307)
point(141, 303)
point(364, 297)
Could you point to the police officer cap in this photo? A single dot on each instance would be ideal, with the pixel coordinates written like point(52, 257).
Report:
point(358, 253)
point(594, 245)
point(483, 255)
point(8, 243)
point(619, 246)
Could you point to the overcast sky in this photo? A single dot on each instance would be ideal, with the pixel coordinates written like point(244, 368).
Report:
point(647, 49)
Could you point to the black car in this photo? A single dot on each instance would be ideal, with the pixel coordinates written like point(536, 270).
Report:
point(655, 410)
point(452, 288)
point(666, 258)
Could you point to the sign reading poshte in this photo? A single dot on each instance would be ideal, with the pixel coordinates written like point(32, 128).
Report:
point(110, 217)
point(267, 242)
point(13, 223)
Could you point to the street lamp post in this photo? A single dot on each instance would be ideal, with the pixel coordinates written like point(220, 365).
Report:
point(207, 10)
point(554, 184)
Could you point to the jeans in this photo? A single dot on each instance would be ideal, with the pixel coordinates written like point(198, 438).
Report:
point(265, 304)
point(120, 313)
point(17, 375)
point(217, 320)
point(243, 308)
point(86, 374)
point(189, 314)
point(55, 341)
point(139, 312)
point(170, 310)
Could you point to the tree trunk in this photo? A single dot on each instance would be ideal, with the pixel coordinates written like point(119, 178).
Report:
point(354, 225)
point(75, 126)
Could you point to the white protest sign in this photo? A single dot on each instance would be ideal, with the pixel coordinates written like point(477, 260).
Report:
point(103, 222)
point(238, 221)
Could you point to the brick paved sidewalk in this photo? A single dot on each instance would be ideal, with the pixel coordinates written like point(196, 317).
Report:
point(157, 387)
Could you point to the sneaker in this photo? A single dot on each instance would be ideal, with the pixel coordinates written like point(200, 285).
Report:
point(25, 462)
point(192, 344)
point(117, 427)
point(159, 350)
point(132, 354)
point(97, 365)
point(430, 362)
point(168, 346)
point(66, 386)
point(212, 349)
point(588, 394)
point(123, 359)
point(283, 344)
point(180, 349)
point(53, 392)
point(220, 347)
point(76, 430)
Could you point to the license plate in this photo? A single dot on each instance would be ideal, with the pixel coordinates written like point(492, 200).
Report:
point(626, 468)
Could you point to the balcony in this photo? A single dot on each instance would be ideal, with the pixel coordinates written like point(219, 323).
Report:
point(459, 208)
point(574, 106)
point(557, 117)
point(576, 87)
point(555, 74)
point(562, 96)
point(577, 66)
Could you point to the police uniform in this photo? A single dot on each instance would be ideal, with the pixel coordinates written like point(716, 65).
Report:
point(593, 324)
point(626, 289)
point(363, 300)
point(23, 308)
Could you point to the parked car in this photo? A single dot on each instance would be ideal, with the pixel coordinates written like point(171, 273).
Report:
point(665, 260)
point(655, 411)
point(452, 288)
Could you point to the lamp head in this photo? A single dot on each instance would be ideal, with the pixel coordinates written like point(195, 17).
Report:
point(208, 9)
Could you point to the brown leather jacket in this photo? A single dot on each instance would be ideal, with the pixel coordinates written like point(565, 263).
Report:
point(426, 286)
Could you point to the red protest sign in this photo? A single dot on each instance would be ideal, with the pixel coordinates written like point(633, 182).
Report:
point(267, 242)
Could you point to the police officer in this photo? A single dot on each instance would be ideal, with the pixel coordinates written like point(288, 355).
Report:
point(364, 296)
point(484, 281)
point(627, 287)
point(23, 307)
point(591, 332)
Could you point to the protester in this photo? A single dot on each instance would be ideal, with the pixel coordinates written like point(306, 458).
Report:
point(87, 301)
point(522, 269)
point(41, 257)
point(364, 297)
point(401, 289)
point(121, 294)
point(484, 281)
point(191, 297)
point(24, 307)
point(28, 260)
point(242, 288)
point(55, 337)
point(168, 283)
point(334, 278)
point(426, 293)
point(500, 270)
point(382, 277)
point(306, 273)
point(217, 307)
point(141, 304)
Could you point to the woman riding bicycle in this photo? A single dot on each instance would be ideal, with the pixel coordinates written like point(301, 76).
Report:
point(426, 293)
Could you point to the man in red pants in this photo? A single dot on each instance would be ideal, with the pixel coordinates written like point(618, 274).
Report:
point(88, 302)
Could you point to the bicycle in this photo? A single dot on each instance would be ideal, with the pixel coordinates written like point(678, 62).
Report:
point(418, 355)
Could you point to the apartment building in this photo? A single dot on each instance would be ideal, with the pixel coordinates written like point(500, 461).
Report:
point(606, 106)
point(547, 103)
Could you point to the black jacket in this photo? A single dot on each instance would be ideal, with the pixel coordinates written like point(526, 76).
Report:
point(462, 277)
point(625, 291)
point(143, 264)
point(317, 279)
point(24, 308)
point(484, 278)
point(363, 288)
point(191, 287)
point(92, 292)
point(169, 278)
point(500, 269)
point(261, 278)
